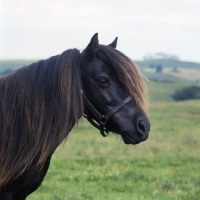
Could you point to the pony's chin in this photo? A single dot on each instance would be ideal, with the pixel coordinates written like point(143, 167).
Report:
point(128, 139)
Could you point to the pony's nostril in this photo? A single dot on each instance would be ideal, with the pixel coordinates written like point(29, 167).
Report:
point(141, 127)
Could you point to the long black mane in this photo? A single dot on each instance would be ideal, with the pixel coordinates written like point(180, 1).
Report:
point(39, 105)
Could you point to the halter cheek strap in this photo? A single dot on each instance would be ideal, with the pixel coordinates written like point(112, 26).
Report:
point(101, 120)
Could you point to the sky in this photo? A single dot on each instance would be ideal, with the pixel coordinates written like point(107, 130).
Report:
point(38, 29)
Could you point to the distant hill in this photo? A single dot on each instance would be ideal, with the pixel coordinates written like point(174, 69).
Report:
point(168, 63)
point(14, 64)
point(169, 69)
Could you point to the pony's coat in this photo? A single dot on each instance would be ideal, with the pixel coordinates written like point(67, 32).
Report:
point(40, 103)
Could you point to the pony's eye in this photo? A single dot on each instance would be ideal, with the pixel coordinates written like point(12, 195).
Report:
point(102, 82)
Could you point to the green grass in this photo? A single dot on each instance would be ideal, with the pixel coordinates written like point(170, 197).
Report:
point(165, 167)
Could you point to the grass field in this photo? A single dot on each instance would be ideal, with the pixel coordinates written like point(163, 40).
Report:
point(165, 167)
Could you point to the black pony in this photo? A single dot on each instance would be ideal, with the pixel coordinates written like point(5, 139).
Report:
point(42, 102)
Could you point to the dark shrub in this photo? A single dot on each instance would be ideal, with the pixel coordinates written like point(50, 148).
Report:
point(159, 69)
point(192, 92)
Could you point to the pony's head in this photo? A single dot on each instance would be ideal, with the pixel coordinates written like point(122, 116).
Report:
point(114, 92)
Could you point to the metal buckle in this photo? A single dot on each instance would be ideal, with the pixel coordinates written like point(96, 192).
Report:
point(104, 132)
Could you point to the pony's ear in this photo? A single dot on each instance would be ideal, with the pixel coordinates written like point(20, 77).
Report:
point(91, 49)
point(114, 43)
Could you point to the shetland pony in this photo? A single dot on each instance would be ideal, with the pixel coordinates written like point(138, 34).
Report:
point(42, 102)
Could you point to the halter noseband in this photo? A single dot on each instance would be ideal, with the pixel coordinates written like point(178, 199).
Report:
point(101, 120)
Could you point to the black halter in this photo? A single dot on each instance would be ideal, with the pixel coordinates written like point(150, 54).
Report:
point(101, 120)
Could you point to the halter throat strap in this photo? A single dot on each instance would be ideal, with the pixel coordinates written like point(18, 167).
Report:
point(101, 120)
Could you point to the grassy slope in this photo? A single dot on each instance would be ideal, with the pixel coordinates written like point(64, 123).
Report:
point(166, 166)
